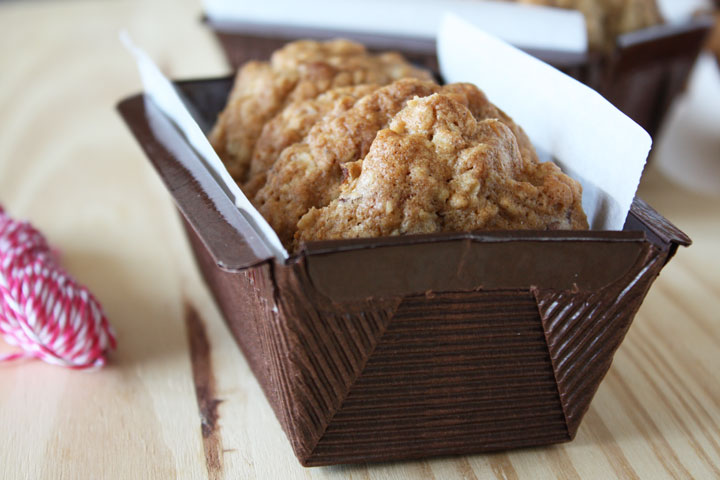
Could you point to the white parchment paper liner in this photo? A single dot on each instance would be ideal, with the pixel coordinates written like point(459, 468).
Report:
point(165, 96)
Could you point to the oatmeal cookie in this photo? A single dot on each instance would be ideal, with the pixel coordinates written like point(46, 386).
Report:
point(439, 168)
point(300, 70)
point(292, 124)
point(309, 173)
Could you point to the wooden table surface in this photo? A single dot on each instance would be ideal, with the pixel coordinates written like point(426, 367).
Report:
point(69, 165)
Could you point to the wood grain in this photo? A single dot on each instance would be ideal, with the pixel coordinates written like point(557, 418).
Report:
point(68, 164)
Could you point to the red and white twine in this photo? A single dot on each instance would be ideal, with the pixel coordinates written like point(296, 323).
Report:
point(42, 309)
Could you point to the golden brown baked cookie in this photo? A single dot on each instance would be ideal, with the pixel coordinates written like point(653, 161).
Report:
point(607, 19)
point(300, 70)
point(310, 173)
point(292, 124)
point(438, 168)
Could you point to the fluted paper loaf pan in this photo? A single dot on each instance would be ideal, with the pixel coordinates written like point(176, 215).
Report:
point(408, 347)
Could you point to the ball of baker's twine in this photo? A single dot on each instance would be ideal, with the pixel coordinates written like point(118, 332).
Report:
point(42, 309)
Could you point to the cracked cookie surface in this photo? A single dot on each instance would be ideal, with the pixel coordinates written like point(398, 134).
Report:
point(292, 124)
point(310, 174)
point(439, 168)
point(300, 70)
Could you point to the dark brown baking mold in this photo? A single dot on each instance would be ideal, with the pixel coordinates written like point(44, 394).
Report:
point(642, 76)
point(408, 347)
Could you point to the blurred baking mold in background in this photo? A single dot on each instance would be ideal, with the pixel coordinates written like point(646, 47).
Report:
point(642, 76)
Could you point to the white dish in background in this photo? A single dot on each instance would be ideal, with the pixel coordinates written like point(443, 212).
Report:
point(688, 150)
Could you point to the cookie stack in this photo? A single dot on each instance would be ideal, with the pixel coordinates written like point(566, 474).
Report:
point(329, 141)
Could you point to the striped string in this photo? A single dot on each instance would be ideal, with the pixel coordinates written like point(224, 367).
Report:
point(43, 311)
